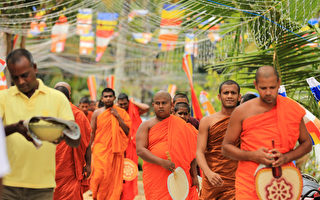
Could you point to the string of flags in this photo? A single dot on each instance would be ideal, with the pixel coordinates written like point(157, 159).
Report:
point(3, 81)
point(312, 122)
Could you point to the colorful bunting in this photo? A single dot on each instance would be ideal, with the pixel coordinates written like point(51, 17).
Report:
point(84, 21)
point(143, 38)
point(92, 86)
point(3, 81)
point(37, 27)
point(110, 81)
point(191, 45)
point(312, 122)
point(106, 23)
point(172, 89)
point(187, 65)
point(314, 87)
point(86, 44)
point(135, 13)
point(171, 19)
point(59, 34)
point(206, 105)
point(282, 91)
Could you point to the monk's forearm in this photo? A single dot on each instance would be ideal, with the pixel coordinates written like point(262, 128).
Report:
point(124, 127)
point(147, 156)
point(234, 153)
point(300, 151)
point(202, 162)
point(193, 168)
point(88, 155)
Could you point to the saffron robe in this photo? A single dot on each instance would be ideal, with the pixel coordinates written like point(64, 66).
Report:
point(70, 161)
point(179, 138)
point(130, 188)
point(280, 124)
point(108, 155)
point(219, 164)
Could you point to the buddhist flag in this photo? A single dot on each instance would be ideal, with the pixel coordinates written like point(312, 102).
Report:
point(110, 81)
point(312, 122)
point(191, 45)
point(172, 89)
point(143, 38)
point(171, 19)
point(86, 44)
point(135, 13)
point(84, 21)
point(59, 34)
point(187, 65)
point(106, 23)
point(92, 86)
point(206, 105)
point(314, 87)
point(282, 91)
point(3, 81)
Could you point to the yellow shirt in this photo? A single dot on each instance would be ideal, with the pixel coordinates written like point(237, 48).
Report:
point(31, 167)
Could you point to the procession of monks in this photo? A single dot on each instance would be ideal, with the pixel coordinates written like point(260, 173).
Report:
point(225, 148)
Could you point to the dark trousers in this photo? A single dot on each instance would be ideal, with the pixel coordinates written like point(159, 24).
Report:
point(19, 193)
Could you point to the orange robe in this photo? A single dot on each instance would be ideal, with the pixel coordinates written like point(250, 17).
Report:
point(70, 162)
point(130, 188)
point(85, 183)
point(219, 164)
point(108, 155)
point(89, 116)
point(280, 124)
point(179, 138)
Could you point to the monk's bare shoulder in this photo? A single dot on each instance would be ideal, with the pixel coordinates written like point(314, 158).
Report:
point(246, 109)
point(98, 111)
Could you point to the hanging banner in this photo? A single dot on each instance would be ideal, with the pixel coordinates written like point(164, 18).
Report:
point(86, 46)
point(172, 89)
point(3, 81)
point(171, 19)
point(191, 45)
point(312, 122)
point(106, 23)
point(135, 13)
point(110, 81)
point(143, 38)
point(37, 27)
point(59, 34)
point(84, 21)
point(92, 86)
point(187, 65)
point(206, 105)
point(314, 87)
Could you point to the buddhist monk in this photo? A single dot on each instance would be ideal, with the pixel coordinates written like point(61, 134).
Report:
point(84, 105)
point(219, 171)
point(70, 161)
point(181, 97)
point(134, 109)
point(165, 142)
point(110, 129)
point(259, 121)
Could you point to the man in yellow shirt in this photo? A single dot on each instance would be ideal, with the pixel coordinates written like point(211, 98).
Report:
point(32, 173)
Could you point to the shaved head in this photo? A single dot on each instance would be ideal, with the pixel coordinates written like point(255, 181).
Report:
point(162, 93)
point(266, 72)
point(162, 105)
point(64, 84)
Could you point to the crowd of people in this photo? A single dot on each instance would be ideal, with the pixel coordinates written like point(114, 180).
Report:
point(225, 148)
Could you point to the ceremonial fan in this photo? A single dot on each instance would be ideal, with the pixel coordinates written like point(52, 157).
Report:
point(130, 170)
point(177, 182)
point(278, 183)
